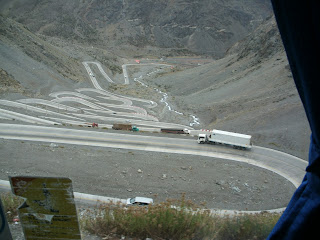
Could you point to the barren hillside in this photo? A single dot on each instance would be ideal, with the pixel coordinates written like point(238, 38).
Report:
point(32, 66)
point(250, 91)
point(141, 27)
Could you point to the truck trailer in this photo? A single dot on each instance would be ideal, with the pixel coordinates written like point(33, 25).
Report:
point(236, 140)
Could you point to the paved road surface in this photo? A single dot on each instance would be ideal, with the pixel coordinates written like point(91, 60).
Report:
point(290, 167)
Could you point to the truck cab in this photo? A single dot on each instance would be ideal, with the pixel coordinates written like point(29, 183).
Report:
point(202, 138)
point(236, 140)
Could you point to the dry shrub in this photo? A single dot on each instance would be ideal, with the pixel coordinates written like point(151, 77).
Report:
point(173, 219)
point(10, 203)
point(247, 226)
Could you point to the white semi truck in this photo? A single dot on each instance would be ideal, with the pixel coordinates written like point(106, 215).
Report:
point(237, 140)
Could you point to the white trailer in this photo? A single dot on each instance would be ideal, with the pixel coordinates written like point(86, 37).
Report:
point(237, 140)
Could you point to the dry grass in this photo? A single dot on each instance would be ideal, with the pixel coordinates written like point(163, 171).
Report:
point(173, 219)
point(184, 221)
point(247, 226)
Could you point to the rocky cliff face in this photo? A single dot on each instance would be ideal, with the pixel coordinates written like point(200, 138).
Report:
point(202, 27)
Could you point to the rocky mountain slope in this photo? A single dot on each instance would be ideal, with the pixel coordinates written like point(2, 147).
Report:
point(32, 66)
point(250, 91)
point(134, 27)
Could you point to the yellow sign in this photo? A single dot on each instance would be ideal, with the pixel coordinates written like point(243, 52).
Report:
point(49, 211)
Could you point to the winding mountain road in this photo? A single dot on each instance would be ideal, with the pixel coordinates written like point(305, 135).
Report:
point(96, 104)
point(288, 166)
point(285, 165)
point(86, 105)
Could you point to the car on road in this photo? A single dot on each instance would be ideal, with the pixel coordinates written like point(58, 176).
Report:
point(139, 201)
point(135, 129)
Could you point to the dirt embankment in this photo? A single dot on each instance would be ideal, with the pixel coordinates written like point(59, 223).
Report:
point(8, 83)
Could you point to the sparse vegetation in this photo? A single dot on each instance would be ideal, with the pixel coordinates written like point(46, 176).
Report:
point(184, 221)
point(10, 203)
point(115, 69)
point(163, 221)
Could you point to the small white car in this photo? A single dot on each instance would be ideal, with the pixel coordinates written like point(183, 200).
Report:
point(139, 201)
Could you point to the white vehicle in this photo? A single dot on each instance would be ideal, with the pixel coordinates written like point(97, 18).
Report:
point(237, 140)
point(139, 201)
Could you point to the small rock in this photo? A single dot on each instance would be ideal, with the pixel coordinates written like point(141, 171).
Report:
point(129, 190)
point(236, 189)
point(190, 168)
point(164, 176)
point(184, 168)
point(221, 182)
point(139, 171)
point(53, 145)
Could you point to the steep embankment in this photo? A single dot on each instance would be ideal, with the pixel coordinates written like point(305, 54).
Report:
point(34, 65)
point(249, 91)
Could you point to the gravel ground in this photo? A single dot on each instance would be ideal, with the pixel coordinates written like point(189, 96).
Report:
point(124, 173)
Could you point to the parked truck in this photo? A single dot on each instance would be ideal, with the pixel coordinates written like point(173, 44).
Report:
point(237, 140)
point(122, 126)
point(127, 127)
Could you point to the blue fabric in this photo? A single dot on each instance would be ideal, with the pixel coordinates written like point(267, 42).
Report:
point(301, 218)
point(299, 25)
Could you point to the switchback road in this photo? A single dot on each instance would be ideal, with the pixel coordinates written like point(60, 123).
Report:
point(290, 167)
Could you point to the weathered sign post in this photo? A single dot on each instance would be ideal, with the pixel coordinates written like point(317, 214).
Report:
point(49, 211)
